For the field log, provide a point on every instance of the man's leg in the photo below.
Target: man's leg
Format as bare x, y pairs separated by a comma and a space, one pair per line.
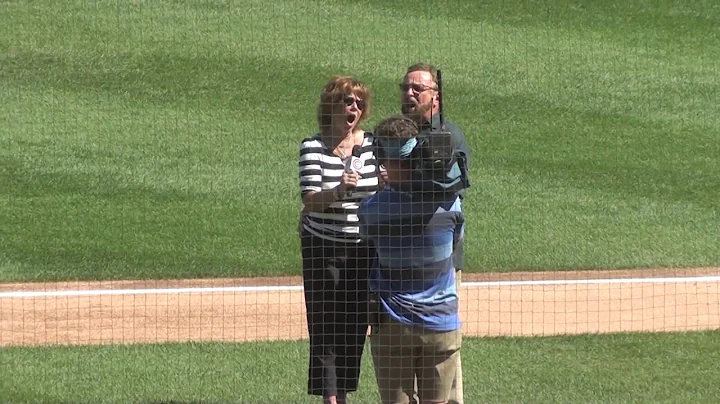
437, 367
456, 392
392, 358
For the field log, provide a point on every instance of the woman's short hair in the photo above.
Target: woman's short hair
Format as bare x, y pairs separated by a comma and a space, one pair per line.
335, 91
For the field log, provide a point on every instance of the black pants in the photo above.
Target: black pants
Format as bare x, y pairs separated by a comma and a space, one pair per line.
335, 279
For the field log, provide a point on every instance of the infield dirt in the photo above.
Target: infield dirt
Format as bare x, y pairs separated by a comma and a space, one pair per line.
487, 310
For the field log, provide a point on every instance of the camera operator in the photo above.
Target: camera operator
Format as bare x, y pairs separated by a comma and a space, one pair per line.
414, 223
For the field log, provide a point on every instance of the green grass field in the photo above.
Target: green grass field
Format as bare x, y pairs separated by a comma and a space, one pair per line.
159, 139
619, 368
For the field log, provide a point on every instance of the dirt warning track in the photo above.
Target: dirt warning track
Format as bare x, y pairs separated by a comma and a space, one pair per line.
264, 309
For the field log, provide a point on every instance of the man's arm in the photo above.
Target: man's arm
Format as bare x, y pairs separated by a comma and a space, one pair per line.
460, 144
459, 233
458, 253
459, 141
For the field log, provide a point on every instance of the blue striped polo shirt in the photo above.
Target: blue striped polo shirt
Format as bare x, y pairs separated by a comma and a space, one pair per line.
414, 234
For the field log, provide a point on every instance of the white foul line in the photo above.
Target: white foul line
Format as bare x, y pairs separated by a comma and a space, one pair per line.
700, 279
107, 292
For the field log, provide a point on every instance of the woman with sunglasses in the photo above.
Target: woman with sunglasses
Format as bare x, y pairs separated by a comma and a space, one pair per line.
338, 169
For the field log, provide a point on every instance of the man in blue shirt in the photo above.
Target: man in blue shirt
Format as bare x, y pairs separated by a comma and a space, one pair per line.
414, 227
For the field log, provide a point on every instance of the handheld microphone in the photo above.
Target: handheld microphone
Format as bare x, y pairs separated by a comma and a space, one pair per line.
354, 164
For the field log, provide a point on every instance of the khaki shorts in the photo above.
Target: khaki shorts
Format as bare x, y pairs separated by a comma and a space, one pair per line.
403, 353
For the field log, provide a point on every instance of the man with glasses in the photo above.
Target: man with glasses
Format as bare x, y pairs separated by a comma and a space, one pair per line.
420, 101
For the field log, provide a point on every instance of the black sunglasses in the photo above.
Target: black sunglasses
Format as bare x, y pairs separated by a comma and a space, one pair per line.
349, 101
417, 88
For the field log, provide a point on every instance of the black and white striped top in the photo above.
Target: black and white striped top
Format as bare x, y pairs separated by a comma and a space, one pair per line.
321, 169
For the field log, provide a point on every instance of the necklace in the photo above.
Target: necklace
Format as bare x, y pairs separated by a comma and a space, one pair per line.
339, 149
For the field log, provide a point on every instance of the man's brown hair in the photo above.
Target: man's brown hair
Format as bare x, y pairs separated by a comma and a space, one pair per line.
423, 67
333, 93
396, 126
393, 132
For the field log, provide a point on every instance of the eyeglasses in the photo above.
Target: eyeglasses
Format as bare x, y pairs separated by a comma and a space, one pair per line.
417, 88
350, 100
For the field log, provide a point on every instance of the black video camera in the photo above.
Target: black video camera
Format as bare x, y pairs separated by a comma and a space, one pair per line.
435, 157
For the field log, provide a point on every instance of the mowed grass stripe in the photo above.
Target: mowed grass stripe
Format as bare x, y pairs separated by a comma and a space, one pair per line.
525, 59
609, 368
159, 139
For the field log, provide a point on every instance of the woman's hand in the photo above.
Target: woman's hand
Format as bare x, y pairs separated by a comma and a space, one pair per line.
348, 181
